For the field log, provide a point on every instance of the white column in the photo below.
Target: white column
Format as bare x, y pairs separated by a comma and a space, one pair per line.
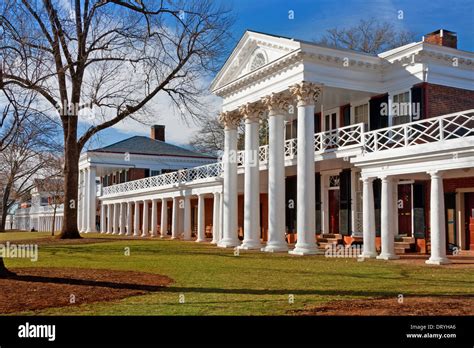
85, 200
154, 217
164, 217
354, 207
215, 218
306, 93
386, 221
109, 218
123, 218
221, 218
91, 200
251, 178
103, 228
368, 216
276, 174
145, 225
116, 218
395, 207
174, 219
230, 230
201, 234
437, 221
129, 218
136, 220
187, 218
324, 203
80, 201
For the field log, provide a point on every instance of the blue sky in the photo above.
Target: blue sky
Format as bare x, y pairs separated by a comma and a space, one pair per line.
313, 17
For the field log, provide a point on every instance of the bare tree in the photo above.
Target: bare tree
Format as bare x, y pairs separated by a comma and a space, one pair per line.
24, 158
113, 55
368, 36
53, 185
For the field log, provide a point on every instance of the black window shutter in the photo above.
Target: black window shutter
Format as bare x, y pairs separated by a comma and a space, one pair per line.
345, 202
417, 100
317, 122
346, 115
375, 106
317, 180
419, 226
377, 185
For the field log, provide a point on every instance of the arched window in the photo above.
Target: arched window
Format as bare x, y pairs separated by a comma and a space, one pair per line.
258, 61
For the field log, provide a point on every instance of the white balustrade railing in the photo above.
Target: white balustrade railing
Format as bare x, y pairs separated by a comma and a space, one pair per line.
435, 129
452, 126
179, 177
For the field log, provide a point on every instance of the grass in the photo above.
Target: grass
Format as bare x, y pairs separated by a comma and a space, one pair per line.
215, 282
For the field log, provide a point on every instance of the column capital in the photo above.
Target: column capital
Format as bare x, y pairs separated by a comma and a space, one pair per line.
277, 104
307, 93
435, 173
251, 112
368, 179
230, 119
386, 178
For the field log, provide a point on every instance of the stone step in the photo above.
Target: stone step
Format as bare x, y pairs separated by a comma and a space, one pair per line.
410, 240
331, 235
399, 250
404, 245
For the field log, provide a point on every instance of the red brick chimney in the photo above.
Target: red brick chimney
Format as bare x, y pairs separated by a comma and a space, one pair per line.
158, 132
442, 37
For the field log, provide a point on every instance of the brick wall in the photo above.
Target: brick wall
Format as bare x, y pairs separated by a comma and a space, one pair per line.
135, 174
443, 100
450, 185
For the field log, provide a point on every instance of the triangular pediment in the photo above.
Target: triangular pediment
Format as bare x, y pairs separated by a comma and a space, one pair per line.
253, 51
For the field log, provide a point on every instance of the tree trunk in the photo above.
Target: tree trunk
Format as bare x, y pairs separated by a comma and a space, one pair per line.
69, 229
4, 210
54, 221
4, 272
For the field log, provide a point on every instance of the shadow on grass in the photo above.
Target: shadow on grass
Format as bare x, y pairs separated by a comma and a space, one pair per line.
237, 291
86, 282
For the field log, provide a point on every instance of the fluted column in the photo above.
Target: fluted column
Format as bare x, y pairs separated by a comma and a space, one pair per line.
251, 115
216, 218
154, 217
136, 220
368, 217
103, 228
123, 220
276, 173
129, 218
145, 223
164, 218
116, 218
307, 95
174, 219
437, 221
386, 221
230, 120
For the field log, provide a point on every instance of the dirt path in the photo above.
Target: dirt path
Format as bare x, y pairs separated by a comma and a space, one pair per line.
425, 305
39, 288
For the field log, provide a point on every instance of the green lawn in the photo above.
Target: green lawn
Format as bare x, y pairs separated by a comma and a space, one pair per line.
215, 282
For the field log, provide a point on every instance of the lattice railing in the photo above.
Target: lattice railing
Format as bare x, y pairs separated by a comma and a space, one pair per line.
337, 139
181, 176
291, 148
453, 126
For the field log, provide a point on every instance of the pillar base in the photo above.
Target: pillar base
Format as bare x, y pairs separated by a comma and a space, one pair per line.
438, 261
174, 238
200, 240
275, 248
228, 243
136, 235
163, 236
306, 250
388, 257
251, 245
369, 255
214, 242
